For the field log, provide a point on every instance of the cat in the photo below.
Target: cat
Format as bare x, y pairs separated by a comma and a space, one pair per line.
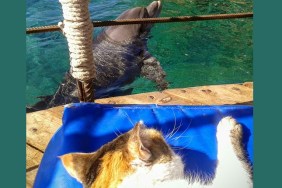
142, 158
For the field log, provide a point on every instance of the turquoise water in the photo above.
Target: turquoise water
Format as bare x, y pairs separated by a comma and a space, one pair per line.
191, 53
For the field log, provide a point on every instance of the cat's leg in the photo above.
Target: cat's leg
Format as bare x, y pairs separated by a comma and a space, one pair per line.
233, 169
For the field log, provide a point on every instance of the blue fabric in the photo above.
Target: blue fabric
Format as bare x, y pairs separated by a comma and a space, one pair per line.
86, 127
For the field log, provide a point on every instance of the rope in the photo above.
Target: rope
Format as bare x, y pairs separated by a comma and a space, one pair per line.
51, 28
78, 29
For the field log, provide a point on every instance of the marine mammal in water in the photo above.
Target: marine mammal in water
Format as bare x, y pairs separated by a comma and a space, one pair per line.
120, 55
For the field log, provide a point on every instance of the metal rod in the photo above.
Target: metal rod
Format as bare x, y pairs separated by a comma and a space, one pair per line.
51, 28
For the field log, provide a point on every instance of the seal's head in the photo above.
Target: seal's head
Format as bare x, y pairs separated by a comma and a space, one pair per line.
128, 32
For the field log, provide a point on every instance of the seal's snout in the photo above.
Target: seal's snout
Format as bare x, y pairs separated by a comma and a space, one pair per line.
154, 9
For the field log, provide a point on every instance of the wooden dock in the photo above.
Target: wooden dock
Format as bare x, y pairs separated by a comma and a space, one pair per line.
41, 125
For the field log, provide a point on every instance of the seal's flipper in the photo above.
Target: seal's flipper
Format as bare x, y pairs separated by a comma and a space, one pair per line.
152, 70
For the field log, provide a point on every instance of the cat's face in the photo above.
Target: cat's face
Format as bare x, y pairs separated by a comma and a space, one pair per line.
138, 156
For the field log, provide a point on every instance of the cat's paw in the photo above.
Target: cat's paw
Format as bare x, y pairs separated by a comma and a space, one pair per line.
230, 144
229, 129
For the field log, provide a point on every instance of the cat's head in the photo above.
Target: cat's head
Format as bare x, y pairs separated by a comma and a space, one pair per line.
139, 156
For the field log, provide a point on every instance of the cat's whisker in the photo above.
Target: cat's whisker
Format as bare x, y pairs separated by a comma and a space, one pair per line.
176, 148
129, 119
179, 137
184, 130
186, 146
168, 135
173, 132
176, 130
118, 132
174, 120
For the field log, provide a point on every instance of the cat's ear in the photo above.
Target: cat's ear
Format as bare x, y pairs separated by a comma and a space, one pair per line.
77, 164
138, 140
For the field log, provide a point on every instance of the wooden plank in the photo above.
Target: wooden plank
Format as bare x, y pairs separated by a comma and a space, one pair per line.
144, 98
202, 95
33, 157
41, 125
30, 177
214, 95
249, 84
57, 111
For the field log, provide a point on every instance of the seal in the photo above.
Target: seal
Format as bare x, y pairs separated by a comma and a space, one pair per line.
120, 56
